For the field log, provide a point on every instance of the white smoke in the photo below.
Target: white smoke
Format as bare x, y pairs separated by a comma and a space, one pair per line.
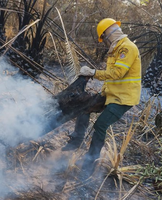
24, 110
23, 105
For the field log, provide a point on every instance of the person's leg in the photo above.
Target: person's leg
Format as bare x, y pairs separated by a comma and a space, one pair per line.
111, 114
77, 136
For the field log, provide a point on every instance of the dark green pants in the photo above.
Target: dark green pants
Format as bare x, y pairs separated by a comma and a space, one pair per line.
111, 114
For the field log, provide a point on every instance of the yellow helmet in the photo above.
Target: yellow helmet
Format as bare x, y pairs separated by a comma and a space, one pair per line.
104, 24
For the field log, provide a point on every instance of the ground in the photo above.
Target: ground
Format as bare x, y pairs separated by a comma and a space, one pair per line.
37, 168
53, 173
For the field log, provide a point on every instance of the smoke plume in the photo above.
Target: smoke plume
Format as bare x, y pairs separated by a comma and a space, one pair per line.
23, 105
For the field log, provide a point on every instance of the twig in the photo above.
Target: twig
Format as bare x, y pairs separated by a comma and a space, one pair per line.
130, 192
39, 150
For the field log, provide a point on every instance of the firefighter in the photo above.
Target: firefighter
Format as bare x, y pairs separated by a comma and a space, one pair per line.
122, 82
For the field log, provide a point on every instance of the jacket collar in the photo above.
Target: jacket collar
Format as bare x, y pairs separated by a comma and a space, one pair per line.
118, 44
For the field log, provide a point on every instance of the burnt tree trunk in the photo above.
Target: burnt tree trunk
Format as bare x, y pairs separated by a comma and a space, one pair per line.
75, 101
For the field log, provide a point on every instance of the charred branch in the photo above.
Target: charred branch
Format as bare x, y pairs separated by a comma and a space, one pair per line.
75, 101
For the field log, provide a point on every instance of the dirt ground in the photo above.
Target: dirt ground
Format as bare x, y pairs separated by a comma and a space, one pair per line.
39, 170
46, 172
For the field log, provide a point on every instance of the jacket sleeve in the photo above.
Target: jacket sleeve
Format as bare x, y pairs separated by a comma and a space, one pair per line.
123, 61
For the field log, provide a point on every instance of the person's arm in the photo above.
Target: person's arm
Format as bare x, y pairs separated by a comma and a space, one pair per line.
124, 61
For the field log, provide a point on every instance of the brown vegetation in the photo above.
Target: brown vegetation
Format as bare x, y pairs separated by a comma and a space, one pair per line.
42, 169
140, 22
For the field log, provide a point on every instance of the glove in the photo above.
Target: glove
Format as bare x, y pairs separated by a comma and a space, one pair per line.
86, 71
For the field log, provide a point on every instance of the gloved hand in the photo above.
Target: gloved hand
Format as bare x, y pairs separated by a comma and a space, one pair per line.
86, 71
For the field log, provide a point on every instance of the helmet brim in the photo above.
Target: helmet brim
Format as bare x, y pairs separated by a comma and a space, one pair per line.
118, 23
100, 40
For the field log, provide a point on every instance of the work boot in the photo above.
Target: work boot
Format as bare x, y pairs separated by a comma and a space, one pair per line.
93, 154
76, 138
73, 143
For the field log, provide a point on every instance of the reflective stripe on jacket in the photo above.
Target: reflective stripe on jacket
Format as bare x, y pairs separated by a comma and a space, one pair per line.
122, 75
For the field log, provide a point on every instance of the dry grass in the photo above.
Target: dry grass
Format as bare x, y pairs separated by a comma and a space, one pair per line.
115, 158
134, 174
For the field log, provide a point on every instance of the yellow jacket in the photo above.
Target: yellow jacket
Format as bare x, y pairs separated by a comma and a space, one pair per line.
122, 75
